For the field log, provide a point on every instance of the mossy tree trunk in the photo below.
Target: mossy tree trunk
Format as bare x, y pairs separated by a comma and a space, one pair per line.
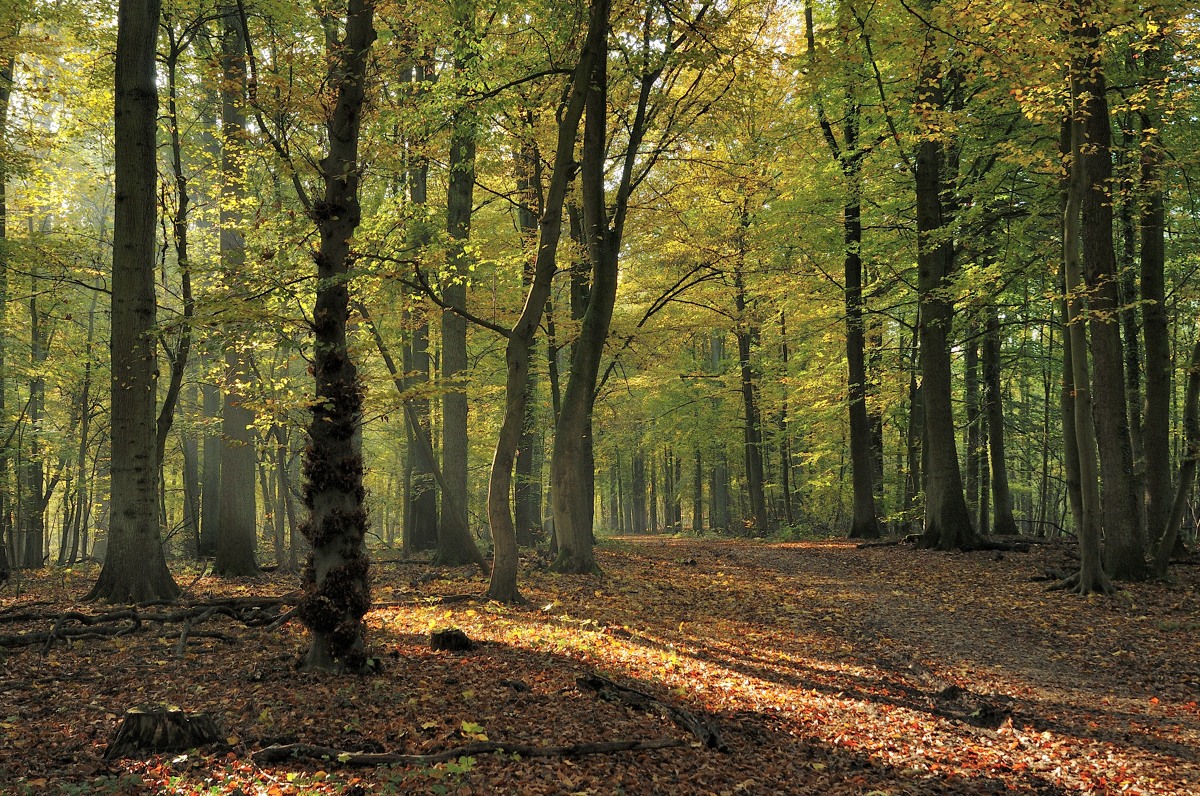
336, 590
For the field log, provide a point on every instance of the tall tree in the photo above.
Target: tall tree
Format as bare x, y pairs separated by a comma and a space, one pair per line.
1091, 576
458, 548
1124, 545
135, 568
336, 590
848, 154
520, 339
1156, 419
948, 522
238, 517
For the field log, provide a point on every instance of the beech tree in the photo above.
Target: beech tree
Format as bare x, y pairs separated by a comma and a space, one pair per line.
135, 569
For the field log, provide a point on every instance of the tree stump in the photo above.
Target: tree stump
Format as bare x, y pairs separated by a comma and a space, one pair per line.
161, 728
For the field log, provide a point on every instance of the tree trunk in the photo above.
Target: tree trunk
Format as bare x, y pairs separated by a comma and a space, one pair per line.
210, 478
1187, 468
569, 479
135, 569
6, 78
1091, 576
503, 586
457, 548
33, 473
1004, 523
948, 523
527, 490
336, 591
1124, 546
747, 338
421, 497
235, 554
1156, 420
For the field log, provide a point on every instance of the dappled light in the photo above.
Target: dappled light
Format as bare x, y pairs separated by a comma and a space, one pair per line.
826, 668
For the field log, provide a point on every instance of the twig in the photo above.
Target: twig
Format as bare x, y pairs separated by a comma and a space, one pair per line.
331, 756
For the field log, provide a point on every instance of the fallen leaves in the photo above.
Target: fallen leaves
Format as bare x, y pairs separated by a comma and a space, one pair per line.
828, 669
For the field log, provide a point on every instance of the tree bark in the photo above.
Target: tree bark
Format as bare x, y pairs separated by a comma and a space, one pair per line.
6, 80
336, 591
238, 515
1187, 468
1091, 576
1004, 523
1156, 420
948, 524
518, 351
135, 568
569, 479
457, 548
1124, 545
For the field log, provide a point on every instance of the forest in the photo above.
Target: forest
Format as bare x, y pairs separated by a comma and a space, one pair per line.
708, 396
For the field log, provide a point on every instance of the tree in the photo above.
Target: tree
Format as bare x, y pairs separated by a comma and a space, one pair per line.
336, 592
135, 568
238, 517
849, 154
457, 548
1091, 576
1124, 548
519, 345
948, 522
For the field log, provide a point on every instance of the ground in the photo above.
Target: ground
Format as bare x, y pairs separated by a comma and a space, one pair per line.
829, 669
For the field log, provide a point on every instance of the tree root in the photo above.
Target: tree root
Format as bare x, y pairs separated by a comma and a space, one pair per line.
702, 728
337, 757
1076, 585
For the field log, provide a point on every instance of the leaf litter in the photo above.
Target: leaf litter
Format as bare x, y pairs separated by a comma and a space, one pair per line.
828, 669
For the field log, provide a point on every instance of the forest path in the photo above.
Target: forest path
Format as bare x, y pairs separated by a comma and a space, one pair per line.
829, 670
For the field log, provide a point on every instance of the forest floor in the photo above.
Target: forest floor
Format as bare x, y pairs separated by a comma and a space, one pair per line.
828, 669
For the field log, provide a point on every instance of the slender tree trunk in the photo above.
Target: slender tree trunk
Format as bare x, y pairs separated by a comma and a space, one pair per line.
527, 490
210, 478
1187, 468
1156, 422
135, 568
747, 338
6, 82
503, 586
237, 543
864, 523
1091, 576
421, 501
569, 476
1001, 494
33, 473
457, 548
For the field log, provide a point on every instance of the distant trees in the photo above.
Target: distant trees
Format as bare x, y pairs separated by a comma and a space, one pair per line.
749, 277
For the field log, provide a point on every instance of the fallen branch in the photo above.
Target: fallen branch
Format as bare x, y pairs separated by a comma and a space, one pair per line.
250, 611
882, 543
705, 731
330, 756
